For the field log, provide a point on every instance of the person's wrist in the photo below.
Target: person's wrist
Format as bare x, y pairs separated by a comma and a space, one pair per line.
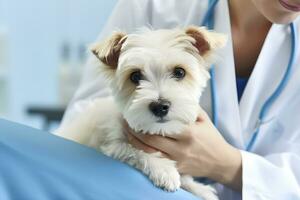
228, 169
233, 174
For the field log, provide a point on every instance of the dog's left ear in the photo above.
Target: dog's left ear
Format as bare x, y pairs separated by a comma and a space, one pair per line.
206, 41
108, 52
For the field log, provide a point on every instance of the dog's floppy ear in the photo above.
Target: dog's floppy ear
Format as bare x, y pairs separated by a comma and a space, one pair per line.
108, 52
206, 41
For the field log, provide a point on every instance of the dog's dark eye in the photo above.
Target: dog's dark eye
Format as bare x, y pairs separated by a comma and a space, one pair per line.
178, 73
136, 76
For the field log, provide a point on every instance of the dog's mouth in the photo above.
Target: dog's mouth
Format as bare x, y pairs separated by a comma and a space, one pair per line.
162, 120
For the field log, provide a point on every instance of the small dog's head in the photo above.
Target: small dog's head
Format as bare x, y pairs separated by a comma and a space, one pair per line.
157, 77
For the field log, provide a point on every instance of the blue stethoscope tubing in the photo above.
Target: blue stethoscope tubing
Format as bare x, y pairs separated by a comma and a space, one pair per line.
208, 21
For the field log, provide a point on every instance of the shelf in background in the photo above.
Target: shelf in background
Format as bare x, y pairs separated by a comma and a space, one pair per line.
50, 114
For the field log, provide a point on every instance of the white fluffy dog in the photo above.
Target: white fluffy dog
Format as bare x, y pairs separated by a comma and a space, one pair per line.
156, 79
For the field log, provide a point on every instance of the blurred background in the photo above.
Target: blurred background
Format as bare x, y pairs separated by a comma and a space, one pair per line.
42, 53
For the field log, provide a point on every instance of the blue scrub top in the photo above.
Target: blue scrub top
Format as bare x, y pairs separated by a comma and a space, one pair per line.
241, 85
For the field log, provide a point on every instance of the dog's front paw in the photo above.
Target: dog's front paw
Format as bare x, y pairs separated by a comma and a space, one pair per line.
166, 177
205, 192
208, 194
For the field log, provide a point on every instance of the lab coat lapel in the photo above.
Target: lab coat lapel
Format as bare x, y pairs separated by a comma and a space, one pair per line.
265, 78
227, 103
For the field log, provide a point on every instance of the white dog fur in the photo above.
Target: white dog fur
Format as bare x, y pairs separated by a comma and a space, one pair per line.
154, 54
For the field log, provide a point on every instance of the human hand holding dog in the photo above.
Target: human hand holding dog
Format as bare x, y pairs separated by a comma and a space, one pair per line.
199, 151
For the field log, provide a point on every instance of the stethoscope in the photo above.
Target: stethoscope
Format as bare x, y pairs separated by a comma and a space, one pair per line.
208, 21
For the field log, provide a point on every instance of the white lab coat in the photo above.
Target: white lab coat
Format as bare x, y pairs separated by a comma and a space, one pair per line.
272, 169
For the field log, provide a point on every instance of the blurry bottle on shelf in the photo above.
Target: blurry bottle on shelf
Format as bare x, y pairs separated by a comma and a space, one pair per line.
70, 72
65, 75
80, 62
3, 72
81, 55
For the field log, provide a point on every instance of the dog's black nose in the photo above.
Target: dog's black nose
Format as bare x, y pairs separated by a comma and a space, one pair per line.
160, 108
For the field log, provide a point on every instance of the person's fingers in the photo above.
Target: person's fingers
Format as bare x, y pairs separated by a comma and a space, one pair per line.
202, 116
163, 144
138, 144
179, 136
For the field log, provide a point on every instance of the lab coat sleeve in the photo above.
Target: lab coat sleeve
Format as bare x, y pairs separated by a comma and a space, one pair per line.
126, 16
273, 177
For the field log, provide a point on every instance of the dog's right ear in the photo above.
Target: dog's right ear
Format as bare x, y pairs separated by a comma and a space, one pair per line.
108, 52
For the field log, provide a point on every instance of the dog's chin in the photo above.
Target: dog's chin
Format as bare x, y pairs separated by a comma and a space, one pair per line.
159, 127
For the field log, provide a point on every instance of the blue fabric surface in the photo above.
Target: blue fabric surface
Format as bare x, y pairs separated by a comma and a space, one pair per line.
240, 85
36, 165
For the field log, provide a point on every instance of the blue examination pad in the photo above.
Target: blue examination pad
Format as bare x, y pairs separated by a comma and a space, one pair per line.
36, 165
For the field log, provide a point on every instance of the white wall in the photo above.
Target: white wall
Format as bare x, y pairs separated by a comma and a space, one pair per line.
36, 32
